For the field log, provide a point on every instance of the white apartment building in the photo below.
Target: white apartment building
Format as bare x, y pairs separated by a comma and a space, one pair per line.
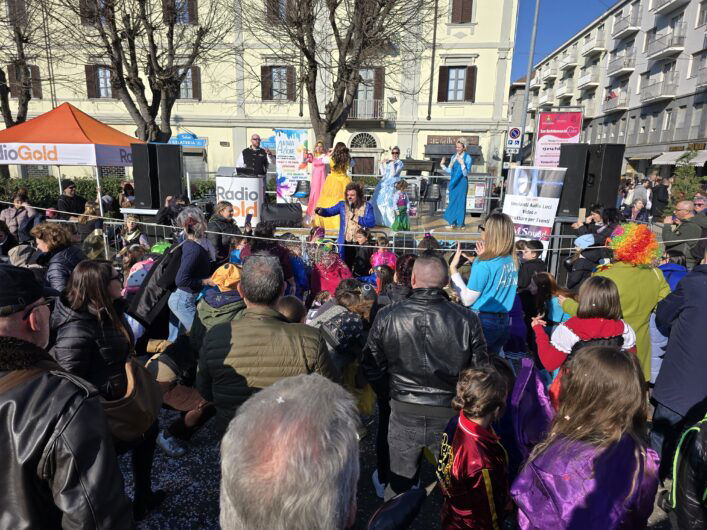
639, 73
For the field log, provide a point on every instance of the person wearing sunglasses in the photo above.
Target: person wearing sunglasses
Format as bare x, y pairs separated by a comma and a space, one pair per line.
70, 205
383, 199
59, 468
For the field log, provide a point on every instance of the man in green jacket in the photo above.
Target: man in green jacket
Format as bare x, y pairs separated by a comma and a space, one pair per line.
683, 226
240, 357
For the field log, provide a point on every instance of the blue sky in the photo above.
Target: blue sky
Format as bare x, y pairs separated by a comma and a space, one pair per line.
558, 21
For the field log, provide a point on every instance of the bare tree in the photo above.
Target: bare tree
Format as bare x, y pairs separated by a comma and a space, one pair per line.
150, 47
329, 42
22, 43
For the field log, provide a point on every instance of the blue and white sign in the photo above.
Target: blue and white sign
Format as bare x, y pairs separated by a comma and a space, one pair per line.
188, 140
513, 139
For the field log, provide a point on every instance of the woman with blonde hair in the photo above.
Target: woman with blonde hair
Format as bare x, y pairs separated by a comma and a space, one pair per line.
132, 235
334, 189
492, 284
320, 164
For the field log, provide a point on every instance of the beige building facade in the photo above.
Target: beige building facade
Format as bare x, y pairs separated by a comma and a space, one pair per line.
223, 104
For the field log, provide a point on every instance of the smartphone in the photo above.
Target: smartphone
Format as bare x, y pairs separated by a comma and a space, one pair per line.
248, 218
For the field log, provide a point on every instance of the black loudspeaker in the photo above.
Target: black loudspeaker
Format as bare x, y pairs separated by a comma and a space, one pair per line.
169, 171
287, 215
145, 176
601, 186
574, 157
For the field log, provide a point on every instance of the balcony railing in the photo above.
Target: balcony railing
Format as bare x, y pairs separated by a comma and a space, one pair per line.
697, 132
550, 72
569, 60
588, 77
618, 102
626, 25
546, 97
702, 77
624, 63
367, 109
590, 108
565, 87
665, 6
535, 81
664, 89
594, 44
666, 44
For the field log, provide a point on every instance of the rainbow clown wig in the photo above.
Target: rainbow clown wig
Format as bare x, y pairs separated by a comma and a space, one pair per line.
634, 243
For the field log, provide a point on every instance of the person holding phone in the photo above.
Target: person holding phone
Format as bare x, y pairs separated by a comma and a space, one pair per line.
220, 229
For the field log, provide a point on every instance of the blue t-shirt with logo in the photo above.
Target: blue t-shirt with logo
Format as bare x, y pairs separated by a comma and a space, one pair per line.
496, 279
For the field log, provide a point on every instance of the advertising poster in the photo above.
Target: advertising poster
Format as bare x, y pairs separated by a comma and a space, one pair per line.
291, 146
553, 130
244, 193
532, 198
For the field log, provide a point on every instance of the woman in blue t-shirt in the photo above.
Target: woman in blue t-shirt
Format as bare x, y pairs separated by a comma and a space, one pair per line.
494, 277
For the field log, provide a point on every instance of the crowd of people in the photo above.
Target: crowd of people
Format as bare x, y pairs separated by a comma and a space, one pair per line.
531, 395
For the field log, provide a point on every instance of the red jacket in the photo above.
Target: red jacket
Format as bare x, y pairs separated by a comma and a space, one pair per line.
473, 475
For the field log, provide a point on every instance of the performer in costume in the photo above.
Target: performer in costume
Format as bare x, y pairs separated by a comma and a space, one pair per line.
335, 185
383, 198
458, 169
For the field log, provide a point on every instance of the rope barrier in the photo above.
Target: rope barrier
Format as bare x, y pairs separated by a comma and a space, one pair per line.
280, 240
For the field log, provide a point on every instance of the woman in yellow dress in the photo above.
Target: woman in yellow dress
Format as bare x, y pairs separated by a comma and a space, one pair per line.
334, 187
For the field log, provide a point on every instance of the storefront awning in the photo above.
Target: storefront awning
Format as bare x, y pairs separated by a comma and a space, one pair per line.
700, 159
669, 158
642, 156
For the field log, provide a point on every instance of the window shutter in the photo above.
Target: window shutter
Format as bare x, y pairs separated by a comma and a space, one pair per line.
470, 84
88, 12
457, 11
291, 84
36, 82
291, 10
168, 11
196, 82
443, 83
266, 83
272, 7
12, 80
466, 6
193, 11
91, 80
379, 83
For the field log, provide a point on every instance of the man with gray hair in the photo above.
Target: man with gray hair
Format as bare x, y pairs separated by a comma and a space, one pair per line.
419, 346
683, 230
290, 458
240, 357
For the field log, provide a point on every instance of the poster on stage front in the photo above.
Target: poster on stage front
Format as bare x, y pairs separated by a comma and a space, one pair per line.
532, 198
553, 130
291, 146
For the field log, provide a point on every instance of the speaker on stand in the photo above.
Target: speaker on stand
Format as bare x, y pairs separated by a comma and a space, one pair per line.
145, 176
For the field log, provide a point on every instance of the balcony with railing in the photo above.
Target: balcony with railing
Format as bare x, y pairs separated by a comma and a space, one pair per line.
565, 88
660, 90
533, 102
549, 72
546, 98
702, 77
669, 43
595, 44
590, 108
626, 25
588, 77
621, 64
617, 103
370, 112
535, 81
666, 6
569, 61
697, 132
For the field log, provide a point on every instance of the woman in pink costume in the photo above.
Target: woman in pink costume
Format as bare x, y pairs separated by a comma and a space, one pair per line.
320, 168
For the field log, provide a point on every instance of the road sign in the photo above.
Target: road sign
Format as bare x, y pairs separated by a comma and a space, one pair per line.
512, 150
513, 139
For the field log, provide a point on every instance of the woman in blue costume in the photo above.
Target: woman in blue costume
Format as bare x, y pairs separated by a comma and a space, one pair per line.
383, 199
458, 169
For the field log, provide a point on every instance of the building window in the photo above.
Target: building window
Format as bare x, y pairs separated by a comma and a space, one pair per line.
455, 87
654, 122
363, 141
668, 119
634, 125
179, 11
461, 11
14, 75
104, 88
622, 127
643, 124
702, 14
186, 88
278, 83
681, 120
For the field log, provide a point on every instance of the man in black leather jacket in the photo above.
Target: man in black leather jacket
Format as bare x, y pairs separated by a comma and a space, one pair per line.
59, 465
420, 345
